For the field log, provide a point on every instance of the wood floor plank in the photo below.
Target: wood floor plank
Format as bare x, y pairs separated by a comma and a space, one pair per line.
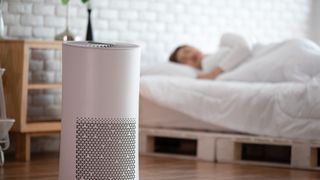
45, 166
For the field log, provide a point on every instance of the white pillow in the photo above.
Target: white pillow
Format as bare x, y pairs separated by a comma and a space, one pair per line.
170, 69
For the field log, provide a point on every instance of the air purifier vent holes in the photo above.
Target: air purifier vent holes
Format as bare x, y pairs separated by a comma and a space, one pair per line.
104, 120
100, 45
103, 45
105, 148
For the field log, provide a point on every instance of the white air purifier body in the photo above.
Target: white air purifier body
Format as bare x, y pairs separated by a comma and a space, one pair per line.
100, 101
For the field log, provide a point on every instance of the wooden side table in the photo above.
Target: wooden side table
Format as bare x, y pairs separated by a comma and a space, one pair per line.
14, 57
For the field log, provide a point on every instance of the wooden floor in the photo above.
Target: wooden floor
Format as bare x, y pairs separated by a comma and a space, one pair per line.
156, 168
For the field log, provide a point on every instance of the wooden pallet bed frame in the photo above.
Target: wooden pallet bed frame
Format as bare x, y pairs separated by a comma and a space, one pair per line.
230, 148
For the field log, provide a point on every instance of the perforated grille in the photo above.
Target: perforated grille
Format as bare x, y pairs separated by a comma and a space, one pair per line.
99, 45
105, 148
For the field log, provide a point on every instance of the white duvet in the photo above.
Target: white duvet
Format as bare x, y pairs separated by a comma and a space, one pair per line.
292, 60
276, 93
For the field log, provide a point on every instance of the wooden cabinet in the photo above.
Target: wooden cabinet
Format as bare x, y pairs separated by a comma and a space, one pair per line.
14, 57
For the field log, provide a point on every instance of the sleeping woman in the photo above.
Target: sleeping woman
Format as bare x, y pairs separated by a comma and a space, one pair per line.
233, 50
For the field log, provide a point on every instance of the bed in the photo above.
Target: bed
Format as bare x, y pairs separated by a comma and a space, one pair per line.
282, 103
286, 110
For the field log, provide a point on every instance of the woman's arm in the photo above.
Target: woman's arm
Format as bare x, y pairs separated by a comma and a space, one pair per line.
212, 74
238, 52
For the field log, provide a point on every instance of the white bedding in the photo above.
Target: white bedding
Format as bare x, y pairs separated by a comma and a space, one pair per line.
289, 109
153, 115
293, 60
276, 93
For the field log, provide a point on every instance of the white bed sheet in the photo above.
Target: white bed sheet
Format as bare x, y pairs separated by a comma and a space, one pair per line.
289, 110
153, 115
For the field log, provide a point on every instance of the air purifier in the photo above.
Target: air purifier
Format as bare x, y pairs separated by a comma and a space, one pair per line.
100, 101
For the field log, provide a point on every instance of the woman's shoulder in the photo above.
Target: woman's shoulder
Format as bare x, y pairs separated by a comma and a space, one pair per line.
232, 39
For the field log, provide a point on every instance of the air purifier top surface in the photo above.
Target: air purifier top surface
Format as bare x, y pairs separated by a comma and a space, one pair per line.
101, 45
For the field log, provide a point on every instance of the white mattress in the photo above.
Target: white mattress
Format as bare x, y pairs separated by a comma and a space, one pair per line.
287, 110
153, 115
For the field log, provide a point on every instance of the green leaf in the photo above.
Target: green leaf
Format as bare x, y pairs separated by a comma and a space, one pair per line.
65, 2
84, 1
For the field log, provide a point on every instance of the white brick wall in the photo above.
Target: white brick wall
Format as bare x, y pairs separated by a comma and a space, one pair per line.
41, 9
158, 25
198, 22
32, 20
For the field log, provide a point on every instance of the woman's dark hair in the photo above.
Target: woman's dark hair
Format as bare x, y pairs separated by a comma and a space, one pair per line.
173, 57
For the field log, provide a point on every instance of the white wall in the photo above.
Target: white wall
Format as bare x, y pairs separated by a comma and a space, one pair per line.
160, 25
157, 25
314, 21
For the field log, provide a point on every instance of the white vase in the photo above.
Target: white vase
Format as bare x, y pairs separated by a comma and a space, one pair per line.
66, 35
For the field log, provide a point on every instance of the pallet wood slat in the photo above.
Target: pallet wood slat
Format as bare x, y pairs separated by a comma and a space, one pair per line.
229, 148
